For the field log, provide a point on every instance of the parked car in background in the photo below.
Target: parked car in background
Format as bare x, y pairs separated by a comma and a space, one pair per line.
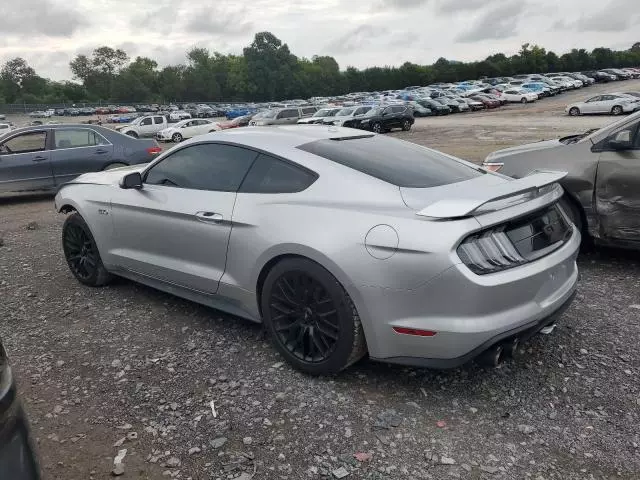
273, 229
46, 156
348, 117
419, 110
5, 128
603, 183
600, 77
453, 105
519, 95
619, 74
384, 119
486, 100
187, 129
144, 126
3, 116
539, 88
474, 105
436, 107
178, 115
284, 116
319, 117
17, 455
613, 104
237, 122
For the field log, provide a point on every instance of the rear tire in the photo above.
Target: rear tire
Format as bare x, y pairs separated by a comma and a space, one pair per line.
81, 253
406, 125
177, 138
523, 100
574, 111
312, 321
377, 127
132, 134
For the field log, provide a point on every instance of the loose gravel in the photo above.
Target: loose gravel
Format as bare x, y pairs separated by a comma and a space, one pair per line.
132, 382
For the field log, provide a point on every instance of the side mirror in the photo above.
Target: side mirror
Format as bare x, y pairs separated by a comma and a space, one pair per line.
621, 141
131, 180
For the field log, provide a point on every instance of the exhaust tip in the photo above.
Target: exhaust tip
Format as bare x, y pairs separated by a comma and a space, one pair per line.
492, 357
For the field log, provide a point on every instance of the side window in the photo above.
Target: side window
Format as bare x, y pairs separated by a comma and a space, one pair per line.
25, 143
146, 121
270, 175
158, 120
387, 111
309, 110
398, 109
207, 166
594, 99
74, 138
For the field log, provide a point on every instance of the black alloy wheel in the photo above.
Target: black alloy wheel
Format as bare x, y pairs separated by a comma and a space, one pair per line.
617, 110
311, 318
81, 252
305, 317
406, 125
377, 127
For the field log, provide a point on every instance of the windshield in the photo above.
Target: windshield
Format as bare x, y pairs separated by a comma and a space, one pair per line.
345, 112
269, 114
324, 112
374, 111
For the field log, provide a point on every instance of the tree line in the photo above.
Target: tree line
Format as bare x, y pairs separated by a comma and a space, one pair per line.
268, 71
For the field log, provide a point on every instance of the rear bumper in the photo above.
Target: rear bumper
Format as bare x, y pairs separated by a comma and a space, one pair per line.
523, 333
469, 313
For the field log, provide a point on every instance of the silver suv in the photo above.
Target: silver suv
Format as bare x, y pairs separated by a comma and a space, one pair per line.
283, 116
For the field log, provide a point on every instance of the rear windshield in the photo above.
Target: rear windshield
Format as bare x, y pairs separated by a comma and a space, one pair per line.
400, 163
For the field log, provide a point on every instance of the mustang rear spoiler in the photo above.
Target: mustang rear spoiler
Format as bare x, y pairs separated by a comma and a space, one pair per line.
467, 203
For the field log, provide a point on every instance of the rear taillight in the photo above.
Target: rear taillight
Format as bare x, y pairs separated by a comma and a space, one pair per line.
154, 150
492, 166
490, 251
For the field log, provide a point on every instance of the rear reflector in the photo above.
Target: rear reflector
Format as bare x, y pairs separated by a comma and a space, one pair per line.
154, 150
414, 331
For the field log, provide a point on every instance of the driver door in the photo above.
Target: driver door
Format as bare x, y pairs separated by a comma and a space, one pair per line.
176, 227
617, 190
25, 162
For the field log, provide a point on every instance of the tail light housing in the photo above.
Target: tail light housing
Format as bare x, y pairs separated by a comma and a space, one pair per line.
154, 150
516, 242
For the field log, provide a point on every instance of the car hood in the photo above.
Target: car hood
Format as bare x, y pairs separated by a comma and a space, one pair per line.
542, 145
107, 177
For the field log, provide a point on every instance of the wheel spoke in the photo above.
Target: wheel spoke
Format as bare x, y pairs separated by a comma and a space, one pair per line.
286, 311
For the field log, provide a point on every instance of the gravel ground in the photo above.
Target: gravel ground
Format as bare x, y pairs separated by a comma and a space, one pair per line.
128, 367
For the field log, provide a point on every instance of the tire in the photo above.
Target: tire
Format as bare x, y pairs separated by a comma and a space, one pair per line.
312, 321
617, 110
574, 111
81, 253
377, 127
406, 126
111, 166
523, 100
572, 211
176, 138
132, 134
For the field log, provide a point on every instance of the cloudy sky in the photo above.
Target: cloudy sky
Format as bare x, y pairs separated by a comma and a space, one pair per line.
48, 33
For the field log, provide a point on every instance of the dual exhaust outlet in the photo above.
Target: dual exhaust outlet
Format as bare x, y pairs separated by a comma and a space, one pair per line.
494, 356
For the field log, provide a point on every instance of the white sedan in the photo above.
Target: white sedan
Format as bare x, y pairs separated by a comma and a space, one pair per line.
186, 129
615, 104
521, 95
178, 115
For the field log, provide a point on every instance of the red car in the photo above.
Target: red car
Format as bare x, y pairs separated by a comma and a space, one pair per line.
486, 101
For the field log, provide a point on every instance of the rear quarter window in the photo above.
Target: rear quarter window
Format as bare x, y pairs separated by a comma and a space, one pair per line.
400, 163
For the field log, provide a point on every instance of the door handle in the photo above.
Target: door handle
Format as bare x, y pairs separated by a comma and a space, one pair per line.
101, 150
209, 217
39, 158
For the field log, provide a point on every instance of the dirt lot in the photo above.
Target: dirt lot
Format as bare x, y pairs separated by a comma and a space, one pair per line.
128, 364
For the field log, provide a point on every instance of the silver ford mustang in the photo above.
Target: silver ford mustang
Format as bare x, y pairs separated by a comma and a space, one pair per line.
341, 242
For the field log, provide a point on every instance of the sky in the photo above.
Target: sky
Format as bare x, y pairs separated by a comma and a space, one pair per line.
360, 33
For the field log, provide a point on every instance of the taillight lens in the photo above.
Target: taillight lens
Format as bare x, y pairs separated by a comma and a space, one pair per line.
490, 251
492, 166
154, 150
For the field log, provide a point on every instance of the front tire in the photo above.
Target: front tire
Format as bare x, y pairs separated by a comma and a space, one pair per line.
132, 134
312, 320
81, 253
176, 138
617, 110
574, 111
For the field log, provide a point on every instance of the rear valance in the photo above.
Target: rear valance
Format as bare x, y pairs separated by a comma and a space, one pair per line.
504, 195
